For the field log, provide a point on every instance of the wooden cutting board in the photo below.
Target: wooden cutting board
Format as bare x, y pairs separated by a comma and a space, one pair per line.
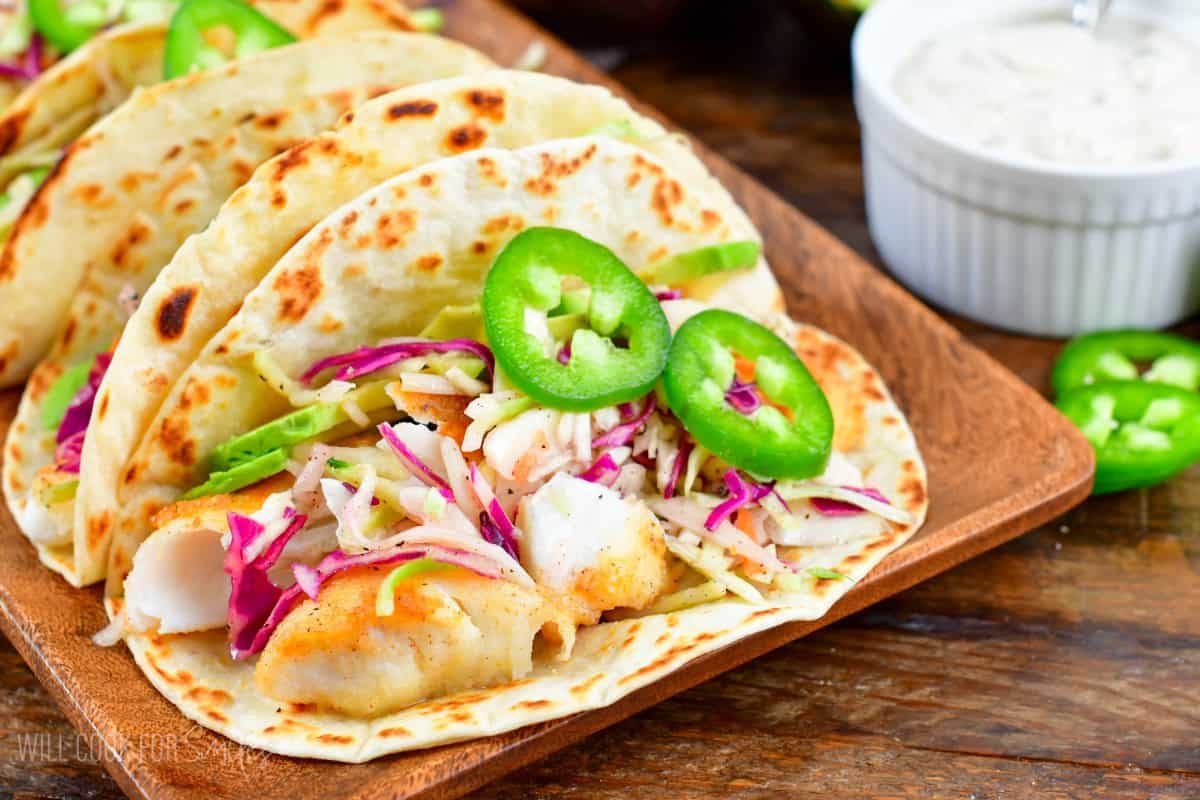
1000, 459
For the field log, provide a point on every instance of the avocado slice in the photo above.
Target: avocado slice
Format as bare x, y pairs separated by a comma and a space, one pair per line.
242, 475
456, 322
292, 429
62, 391
702, 262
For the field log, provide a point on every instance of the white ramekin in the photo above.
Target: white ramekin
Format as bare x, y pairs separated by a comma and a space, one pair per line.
1040, 248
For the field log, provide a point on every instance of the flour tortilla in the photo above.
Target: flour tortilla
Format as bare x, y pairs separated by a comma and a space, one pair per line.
54, 109
382, 139
610, 660
143, 179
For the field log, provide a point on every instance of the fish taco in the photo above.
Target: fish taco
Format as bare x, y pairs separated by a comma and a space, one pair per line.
215, 269
111, 215
484, 449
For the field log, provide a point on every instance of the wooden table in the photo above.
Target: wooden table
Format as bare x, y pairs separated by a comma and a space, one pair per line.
1063, 665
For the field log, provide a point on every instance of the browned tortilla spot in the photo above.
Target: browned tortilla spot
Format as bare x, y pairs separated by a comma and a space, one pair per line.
298, 290
14, 451
42, 378
137, 233
68, 334
279, 198
102, 410
466, 137
203, 694
427, 180
175, 150
394, 731
554, 170
530, 705
242, 170
173, 434
709, 219
330, 324
488, 169
393, 227
878, 544
331, 738
914, 491
765, 612
504, 222
658, 663
480, 247
286, 162
486, 103
92, 194
130, 181
173, 312
99, 526
429, 263
215, 715
11, 126
273, 120
413, 108
667, 194
586, 685
346, 224
195, 393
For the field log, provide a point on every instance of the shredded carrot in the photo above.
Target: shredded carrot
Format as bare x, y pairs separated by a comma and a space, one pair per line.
743, 368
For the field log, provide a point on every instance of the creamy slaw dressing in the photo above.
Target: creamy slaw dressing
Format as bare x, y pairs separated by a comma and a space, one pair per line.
1048, 90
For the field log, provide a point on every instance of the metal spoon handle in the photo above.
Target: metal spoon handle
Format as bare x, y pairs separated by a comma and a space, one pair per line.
1088, 13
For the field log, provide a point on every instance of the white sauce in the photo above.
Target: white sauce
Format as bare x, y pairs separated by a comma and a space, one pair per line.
1054, 92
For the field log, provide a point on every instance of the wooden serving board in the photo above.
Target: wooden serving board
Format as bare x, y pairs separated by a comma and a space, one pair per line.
1000, 459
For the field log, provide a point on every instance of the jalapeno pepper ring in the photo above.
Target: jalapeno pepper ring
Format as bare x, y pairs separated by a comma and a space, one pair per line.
615, 358
1112, 355
51, 21
188, 50
789, 434
1143, 433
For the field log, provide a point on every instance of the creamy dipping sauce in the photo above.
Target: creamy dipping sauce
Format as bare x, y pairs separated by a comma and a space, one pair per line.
1051, 91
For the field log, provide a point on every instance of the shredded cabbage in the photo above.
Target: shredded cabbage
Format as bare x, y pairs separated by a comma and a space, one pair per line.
710, 560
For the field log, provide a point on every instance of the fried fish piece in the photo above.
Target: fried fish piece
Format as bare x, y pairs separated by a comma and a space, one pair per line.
451, 630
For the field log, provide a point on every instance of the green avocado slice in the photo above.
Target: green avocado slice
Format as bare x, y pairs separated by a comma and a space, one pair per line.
242, 475
456, 322
62, 391
702, 262
299, 426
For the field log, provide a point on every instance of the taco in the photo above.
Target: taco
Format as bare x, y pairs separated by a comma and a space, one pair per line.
113, 213
59, 99
469, 457
219, 266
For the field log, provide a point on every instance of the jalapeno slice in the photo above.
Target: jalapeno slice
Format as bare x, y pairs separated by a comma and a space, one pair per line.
1114, 356
614, 358
51, 20
743, 394
1143, 433
187, 49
